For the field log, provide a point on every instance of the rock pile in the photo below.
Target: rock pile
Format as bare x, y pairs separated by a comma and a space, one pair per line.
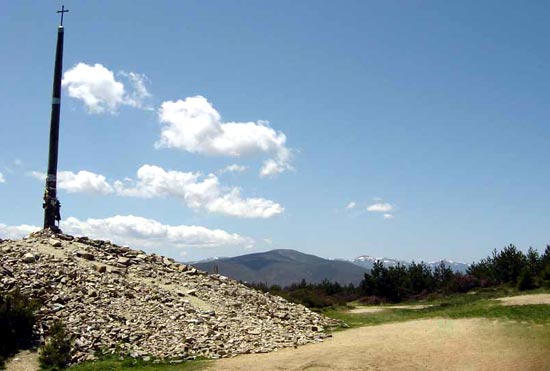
115, 300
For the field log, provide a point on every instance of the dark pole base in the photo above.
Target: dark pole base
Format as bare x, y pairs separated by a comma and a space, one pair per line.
52, 230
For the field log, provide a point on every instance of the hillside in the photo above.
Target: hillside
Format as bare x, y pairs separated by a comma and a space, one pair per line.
283, 267
116, 300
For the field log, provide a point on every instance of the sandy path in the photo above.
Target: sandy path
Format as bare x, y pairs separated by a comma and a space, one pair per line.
23, 361
433, 344
377, 309
367, 310
525, 299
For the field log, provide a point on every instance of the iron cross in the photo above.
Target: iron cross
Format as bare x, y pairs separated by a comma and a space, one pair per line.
62, 11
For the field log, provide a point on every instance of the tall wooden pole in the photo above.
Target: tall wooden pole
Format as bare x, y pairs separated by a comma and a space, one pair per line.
51, 204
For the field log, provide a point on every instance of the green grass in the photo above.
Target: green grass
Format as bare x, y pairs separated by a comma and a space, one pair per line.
114, 364
479, 304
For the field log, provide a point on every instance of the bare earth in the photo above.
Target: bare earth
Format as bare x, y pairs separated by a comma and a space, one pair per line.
526, 299
433, 344
376, 309
367, 310
23, 361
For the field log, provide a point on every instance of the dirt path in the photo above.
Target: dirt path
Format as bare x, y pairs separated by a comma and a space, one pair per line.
525, 299
434, 344
23, 361
377, 309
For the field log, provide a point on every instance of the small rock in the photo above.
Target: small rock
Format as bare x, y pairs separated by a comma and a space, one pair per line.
124, 261
54, 242
29, 258
85, 255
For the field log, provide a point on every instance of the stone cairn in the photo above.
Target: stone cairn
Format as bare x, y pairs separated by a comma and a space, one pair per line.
115, 300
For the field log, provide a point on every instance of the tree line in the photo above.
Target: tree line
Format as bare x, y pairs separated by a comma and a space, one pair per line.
394, 284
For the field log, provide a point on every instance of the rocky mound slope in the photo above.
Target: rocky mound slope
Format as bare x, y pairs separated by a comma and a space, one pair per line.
113, 299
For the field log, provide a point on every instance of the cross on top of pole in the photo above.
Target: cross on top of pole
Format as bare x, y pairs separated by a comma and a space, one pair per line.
62, 11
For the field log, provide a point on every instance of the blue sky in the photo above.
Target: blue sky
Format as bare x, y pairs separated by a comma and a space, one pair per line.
433, 115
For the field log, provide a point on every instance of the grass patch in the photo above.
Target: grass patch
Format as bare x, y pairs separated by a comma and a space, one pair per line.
115, 364
472, 305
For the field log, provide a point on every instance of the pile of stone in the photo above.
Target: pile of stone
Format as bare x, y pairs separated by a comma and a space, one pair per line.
115, 300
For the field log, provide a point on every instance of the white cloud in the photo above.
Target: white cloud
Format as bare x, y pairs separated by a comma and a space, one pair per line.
16, 232
95, 86
233, 204
38, 175
139, 94
140, 233
195, 126
351, 205
380, 207
197, 193
81, 182
100, 92
388, 216
2, 179
194, 189
234, 168
145, 233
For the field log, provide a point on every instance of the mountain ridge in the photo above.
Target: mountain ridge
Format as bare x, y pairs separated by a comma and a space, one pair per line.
286, 266
283, 267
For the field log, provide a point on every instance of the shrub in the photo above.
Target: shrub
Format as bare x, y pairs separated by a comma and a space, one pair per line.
16, 323
464, 283
508, 264
526, 280
55, 354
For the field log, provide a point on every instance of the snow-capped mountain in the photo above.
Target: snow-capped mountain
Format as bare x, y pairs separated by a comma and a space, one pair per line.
367, 262
454, 265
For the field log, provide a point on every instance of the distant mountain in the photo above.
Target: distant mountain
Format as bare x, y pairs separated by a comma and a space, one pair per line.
455, 266
367, 262
283, 267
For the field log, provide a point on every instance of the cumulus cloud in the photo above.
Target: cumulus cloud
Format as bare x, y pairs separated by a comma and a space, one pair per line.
2, 179
81, 182
388, 216
100, 92
150, 234
194, 189
196, 192
16, 232
380, 207
195, 126
351, 205
233, 204
139, 93
139, 232
234, 168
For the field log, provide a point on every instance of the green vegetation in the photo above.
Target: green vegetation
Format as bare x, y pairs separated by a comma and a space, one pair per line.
511, 266
314, 295
115, 364
479, 304
417, 281
56, 353
16, 323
